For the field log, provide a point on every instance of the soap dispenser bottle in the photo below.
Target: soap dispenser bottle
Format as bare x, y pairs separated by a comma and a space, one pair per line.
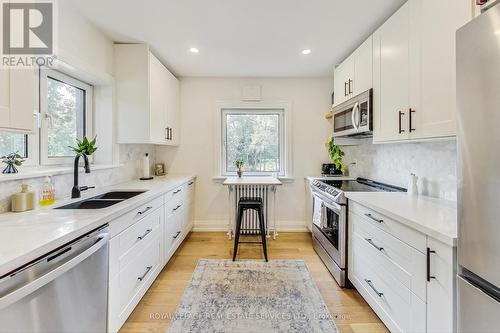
47, 193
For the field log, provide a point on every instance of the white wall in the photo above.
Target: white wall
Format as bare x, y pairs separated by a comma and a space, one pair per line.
433, 162
309, 100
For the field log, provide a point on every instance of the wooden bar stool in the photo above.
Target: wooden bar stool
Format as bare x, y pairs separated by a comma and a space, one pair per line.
243, 205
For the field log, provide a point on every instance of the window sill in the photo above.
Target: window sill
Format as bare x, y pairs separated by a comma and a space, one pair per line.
221, 179
43, 171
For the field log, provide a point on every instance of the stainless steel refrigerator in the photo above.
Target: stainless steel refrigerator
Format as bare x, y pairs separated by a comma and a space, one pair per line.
478, 95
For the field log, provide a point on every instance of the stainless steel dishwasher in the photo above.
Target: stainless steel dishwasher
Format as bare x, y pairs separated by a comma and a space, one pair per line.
63, 291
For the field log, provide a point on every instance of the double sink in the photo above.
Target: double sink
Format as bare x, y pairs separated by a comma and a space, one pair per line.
102, 201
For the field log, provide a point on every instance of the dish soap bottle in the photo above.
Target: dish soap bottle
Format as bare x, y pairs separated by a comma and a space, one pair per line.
23, 200
48, 192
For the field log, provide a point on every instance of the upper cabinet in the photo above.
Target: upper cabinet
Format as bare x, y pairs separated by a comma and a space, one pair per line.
147, 96
414, 71
18, 99
354, 75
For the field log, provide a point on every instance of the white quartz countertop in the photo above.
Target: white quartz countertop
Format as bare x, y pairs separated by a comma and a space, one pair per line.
434, 217
29, 235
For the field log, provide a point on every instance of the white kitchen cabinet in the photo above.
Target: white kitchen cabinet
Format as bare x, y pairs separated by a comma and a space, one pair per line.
18, 99
414, 71
354, 75
441, 283
147, 96
142, 242
406, 276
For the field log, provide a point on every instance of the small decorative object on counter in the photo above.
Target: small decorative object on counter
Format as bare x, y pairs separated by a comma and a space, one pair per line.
24, 200
336, 155
12, 160
160, 169
146, 172
239, 165
47, 193
412, 184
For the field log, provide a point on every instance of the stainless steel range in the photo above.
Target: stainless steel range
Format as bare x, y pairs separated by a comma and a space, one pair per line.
329, 230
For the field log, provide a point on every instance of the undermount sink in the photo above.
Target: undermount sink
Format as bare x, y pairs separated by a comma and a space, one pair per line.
102, 201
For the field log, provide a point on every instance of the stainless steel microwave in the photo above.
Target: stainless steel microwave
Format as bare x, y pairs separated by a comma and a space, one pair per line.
355, 116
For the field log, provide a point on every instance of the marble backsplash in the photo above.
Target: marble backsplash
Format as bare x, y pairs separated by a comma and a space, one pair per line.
433, 162
130, 159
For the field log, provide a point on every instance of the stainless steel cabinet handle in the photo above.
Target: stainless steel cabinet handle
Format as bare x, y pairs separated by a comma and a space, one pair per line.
370, 216
145, 210
401, 114
345, 89
350, 91
429, 276
369, 240
177, 235
140, 278
145, 234
178, 191
178, 206
369, 282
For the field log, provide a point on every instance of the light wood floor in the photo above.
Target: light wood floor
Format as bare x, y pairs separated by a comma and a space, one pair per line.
154, 310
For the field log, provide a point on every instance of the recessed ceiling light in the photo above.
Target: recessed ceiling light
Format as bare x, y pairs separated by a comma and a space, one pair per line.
306, 51
194, 50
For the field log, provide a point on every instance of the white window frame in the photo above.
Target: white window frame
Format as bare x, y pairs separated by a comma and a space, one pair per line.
45, 119
282, 109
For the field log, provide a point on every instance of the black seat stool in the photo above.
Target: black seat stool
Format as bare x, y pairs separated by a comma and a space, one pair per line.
243, 205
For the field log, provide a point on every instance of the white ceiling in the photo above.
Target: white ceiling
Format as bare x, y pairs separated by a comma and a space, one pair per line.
246, 38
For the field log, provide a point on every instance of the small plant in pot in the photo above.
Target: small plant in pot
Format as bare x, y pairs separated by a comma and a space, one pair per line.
336, 156
12, 160
239, 165
85, 146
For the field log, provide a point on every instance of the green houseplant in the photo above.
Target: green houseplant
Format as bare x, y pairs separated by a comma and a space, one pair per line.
85, 146
336, 155
239, 165
12, 160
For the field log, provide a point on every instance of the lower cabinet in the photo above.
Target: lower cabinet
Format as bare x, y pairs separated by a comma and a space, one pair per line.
142, 242
405, 276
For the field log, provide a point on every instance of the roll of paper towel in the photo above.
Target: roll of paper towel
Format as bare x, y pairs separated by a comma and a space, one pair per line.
145, 167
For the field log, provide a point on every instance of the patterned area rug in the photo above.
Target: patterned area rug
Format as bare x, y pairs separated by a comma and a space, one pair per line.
252, 296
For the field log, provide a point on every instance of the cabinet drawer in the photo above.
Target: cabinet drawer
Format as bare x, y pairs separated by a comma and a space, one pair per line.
178, 192
400, 309
128, 287
404, 263
395, 228
127, 219
124, 247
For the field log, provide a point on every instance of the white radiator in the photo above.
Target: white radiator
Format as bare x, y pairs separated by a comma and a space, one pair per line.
251, 217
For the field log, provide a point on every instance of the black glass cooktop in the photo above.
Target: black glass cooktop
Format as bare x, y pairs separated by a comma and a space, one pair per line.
362, 185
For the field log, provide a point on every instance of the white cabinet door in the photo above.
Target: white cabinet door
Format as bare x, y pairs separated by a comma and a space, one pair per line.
173, 109
440, 287
433, 99
18, 99
363, 67
4, 98
343, 81
158, 99
391, 77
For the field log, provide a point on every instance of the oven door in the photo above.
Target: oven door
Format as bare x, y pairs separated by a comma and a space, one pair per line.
353, 117
331, 233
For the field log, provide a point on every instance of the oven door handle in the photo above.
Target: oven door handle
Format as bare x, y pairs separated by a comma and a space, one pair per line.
354, 116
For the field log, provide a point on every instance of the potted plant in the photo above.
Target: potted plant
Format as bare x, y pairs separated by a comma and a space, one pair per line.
239, 165
336, 155
85, 146
12, 160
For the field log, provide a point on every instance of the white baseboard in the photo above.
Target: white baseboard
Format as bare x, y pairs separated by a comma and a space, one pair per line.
218, 226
